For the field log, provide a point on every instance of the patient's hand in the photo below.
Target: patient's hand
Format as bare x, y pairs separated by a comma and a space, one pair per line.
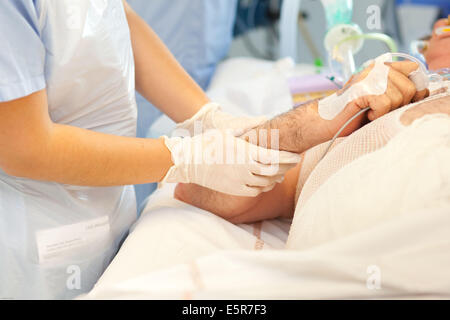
303, 128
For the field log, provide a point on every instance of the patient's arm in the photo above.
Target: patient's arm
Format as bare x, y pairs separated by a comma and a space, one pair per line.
303, 128
280, 202
438, 52
437, 106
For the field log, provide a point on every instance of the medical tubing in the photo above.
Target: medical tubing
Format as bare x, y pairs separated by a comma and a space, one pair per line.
411, 58
342, 129
371, 36
396, 54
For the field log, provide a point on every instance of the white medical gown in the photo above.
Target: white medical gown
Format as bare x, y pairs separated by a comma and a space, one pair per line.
56, 240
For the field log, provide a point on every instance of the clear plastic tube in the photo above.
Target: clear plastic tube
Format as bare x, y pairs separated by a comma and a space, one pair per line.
434, 77
411, 58
369, 36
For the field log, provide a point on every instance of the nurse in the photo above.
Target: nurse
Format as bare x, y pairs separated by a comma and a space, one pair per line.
198, 33
68, 152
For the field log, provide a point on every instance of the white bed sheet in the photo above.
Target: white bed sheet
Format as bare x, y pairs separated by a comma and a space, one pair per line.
171, 232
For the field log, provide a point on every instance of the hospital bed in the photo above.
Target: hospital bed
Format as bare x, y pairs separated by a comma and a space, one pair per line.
341, 248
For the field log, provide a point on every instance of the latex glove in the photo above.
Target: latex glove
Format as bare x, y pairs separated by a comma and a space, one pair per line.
221, 162
212, 117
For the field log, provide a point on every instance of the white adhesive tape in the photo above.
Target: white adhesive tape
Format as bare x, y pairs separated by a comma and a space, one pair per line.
419, 77
375, 83
420, 80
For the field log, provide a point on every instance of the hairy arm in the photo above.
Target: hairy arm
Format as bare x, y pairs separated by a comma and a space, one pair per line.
159, 77
303, 128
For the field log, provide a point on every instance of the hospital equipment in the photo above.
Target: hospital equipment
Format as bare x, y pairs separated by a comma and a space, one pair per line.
443, 75
417, 49
343, 40
440, 31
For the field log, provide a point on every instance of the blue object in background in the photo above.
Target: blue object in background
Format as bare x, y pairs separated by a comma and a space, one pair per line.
443, 4
20, 75
198, 33
256, 13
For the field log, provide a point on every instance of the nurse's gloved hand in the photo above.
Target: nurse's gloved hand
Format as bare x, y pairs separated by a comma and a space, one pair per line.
212, 117
221, 162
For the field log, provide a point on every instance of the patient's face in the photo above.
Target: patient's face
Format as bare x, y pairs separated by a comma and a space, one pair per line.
438, 52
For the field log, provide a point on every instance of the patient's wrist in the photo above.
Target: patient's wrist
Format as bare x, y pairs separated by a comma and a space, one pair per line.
295, 131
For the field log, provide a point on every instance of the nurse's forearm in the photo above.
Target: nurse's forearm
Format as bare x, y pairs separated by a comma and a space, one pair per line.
159, 77
75, 156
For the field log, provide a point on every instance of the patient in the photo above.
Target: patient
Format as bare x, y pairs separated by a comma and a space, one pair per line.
281, 202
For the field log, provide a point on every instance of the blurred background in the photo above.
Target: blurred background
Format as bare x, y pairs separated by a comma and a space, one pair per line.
203, 33
257, 26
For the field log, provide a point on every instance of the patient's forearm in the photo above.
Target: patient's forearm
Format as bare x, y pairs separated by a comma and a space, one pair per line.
302, 128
